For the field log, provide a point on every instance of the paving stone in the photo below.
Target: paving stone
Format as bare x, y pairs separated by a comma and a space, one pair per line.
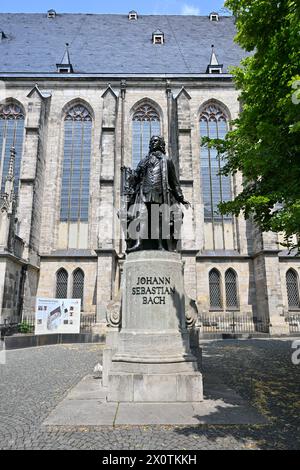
35, 381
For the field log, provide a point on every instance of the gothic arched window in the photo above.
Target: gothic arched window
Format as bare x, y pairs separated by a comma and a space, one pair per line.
215, 289
145, 124
292, 286
231, 289
62, 284
75, 187
216, 188
78, 285
11, 135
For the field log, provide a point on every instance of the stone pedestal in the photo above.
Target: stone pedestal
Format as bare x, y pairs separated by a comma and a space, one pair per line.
152, 361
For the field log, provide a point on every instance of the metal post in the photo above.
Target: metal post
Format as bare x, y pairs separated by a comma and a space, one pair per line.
233, 323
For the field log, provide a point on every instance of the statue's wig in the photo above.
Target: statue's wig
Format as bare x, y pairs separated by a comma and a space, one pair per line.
162, 144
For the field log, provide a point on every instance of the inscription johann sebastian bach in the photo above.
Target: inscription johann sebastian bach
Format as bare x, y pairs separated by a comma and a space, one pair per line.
153, 290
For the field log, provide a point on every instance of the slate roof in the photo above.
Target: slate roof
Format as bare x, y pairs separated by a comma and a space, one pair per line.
112, 44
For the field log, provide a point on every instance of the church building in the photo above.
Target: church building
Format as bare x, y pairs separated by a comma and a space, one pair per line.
80, 97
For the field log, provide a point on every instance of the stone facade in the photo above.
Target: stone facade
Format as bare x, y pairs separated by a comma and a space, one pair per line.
96, 246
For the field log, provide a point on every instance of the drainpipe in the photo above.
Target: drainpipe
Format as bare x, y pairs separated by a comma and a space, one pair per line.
169, 107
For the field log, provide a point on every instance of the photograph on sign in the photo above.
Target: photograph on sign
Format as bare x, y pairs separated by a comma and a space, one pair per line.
57, 316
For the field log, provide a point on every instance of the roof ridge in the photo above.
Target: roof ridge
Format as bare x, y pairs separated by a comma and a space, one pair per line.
111, 14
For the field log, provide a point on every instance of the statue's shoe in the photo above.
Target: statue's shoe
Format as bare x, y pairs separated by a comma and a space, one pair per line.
136, 247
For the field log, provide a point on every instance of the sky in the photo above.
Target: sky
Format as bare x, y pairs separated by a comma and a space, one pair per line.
146, 7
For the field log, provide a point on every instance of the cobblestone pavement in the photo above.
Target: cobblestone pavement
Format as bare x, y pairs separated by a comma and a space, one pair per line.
34, 381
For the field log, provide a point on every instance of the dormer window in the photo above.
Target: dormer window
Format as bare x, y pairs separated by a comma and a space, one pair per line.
158, 37
214, 16
64, 69
132, 15
214, 67
51, 14
65, 65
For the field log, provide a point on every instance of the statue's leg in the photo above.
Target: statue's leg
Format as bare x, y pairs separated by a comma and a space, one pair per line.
176, 225
160, 237
141, 223
154, 224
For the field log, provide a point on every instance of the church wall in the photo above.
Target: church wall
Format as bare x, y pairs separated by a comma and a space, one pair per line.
243, 269
47, 280
47, 234
30, 291
10, 273
275, 294
105, 212
53, 235
284, 265
2, 284
39, 180
228, 97
190, 275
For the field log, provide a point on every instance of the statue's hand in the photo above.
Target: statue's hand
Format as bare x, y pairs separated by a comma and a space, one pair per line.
127, 169
186, 204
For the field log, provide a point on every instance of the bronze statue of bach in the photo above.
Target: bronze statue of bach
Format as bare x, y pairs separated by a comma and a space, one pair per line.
151, 211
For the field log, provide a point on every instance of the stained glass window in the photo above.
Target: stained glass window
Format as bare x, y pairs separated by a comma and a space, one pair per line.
292, 289
62, 284
146, 123
78, 285
11, 135
215, 289
216, 188
231, 289
76, 165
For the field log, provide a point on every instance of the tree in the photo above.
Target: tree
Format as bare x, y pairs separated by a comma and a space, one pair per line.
265, 141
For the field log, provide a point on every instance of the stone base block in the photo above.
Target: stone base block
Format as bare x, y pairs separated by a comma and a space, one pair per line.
162, 368
154, 388
152, 360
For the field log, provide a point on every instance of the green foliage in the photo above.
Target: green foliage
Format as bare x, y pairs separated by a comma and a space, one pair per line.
265, 141
25, 328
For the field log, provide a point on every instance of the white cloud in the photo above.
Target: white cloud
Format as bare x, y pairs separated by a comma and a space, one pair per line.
190, 10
